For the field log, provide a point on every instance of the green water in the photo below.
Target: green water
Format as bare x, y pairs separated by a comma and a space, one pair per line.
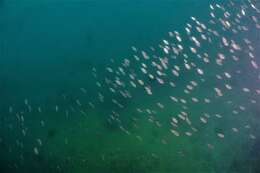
48, 50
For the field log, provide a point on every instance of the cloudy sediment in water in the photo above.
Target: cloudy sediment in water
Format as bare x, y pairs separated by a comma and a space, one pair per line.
187, 102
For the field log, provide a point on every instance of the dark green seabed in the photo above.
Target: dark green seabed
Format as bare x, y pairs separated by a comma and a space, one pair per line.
95, 86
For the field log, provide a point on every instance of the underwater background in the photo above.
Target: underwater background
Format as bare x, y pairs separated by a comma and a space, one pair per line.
63, 109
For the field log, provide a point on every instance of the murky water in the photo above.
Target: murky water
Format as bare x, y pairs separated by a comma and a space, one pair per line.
140, 86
